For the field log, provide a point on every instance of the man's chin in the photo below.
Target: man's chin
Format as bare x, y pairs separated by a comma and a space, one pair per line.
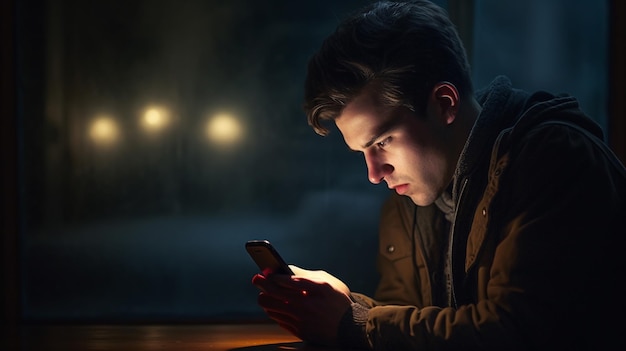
421, 199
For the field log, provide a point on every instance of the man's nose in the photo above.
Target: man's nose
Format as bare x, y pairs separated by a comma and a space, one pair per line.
377, 170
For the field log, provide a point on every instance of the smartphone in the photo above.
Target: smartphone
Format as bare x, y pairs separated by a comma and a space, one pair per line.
266, 257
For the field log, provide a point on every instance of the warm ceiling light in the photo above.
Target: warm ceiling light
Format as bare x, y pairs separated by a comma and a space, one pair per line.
104, 130
224, 129
154, 118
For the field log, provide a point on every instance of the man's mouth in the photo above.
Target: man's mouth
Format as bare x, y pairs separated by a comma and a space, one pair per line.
401, 189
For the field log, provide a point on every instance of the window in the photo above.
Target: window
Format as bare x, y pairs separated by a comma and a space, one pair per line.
554, 45
160, 136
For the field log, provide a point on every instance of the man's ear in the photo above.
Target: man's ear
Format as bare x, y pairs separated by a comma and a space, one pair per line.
444, 100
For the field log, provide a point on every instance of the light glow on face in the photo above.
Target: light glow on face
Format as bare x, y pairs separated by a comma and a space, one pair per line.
104, 130
224, 129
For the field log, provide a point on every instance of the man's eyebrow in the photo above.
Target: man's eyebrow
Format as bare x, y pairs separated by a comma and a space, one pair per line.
382, 129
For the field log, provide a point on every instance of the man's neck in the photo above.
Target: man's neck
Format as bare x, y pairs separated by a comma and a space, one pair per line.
468, 113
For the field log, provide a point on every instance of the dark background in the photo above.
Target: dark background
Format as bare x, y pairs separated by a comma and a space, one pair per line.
153, 226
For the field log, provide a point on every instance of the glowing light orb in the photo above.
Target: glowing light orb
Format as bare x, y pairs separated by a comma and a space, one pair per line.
224, 129
154, 118
104, 130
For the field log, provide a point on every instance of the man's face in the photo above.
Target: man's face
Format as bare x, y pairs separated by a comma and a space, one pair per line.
405, 150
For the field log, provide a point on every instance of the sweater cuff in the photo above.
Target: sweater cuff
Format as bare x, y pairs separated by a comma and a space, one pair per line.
351, 333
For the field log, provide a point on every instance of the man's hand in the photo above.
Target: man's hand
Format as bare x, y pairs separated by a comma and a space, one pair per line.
321, 277
309, 304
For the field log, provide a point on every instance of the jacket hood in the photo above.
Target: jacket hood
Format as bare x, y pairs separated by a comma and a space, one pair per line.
515, 112
526, 111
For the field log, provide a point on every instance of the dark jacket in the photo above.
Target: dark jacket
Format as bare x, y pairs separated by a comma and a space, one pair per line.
536, 251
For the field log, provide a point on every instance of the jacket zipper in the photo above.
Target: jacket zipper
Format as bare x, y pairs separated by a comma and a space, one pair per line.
451, 295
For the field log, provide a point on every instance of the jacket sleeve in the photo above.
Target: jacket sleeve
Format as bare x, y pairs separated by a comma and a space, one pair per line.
553, 274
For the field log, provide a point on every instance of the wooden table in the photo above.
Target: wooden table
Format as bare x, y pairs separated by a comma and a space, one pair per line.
183, 337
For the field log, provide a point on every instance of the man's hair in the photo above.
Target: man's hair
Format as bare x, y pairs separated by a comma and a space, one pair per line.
401, 49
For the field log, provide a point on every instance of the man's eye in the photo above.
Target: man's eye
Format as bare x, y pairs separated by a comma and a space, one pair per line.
381, 144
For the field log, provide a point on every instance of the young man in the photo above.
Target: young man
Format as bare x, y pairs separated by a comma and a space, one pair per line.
506, 227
